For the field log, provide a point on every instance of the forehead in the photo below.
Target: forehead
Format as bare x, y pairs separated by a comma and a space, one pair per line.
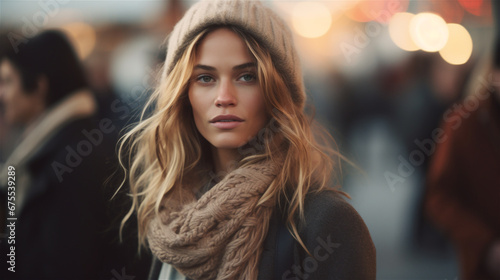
222, 46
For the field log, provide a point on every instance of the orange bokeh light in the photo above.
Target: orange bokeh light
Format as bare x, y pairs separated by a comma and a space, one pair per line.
458, 48
376, 10
311, 19
429, 31
399, 31
83, 37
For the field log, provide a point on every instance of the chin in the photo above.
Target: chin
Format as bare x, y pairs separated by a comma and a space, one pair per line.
228, 146
228, 143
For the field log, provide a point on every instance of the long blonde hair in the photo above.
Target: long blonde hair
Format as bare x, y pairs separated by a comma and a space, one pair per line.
166, 151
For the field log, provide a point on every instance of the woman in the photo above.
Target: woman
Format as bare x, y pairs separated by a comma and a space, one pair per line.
226, 169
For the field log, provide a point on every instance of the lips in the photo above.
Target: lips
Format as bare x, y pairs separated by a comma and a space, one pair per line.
226, 118
226, 121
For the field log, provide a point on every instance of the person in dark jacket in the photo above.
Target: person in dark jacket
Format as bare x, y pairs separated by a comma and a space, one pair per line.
228, 177
58, 216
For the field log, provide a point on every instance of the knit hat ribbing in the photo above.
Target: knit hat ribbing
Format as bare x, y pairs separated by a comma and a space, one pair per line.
250, 16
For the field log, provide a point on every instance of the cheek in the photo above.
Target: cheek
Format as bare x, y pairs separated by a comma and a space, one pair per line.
12, 98
18, 107
258, 108
15, 93
199, 107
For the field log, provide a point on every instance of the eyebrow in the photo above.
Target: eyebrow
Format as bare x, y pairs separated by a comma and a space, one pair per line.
237, 67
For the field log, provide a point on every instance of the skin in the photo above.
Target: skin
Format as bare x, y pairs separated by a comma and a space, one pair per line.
20, 107
224, 81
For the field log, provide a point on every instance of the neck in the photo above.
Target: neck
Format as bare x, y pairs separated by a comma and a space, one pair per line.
224, 159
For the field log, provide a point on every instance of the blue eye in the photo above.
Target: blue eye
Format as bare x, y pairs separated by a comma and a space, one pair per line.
248, 78
204, 79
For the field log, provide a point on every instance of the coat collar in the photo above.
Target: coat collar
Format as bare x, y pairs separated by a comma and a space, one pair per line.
77, 105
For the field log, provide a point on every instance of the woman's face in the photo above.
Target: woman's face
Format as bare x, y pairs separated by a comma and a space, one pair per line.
227, 101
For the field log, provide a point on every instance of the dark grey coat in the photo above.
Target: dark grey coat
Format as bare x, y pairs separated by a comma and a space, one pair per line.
334, 234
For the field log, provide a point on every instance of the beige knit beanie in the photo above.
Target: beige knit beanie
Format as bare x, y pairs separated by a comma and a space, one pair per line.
252, 17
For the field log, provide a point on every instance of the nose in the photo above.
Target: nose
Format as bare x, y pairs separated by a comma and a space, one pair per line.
226, 94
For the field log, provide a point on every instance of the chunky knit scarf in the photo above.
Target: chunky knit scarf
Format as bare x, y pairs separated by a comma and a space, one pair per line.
219, 236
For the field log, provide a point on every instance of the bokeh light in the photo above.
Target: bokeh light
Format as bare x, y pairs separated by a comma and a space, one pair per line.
376, 10
311, 19
429, 31
458, 49
472, 6
82, 36
365, 10
399, 30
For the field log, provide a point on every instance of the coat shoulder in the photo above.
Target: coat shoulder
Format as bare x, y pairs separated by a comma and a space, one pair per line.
337, 238
325, 208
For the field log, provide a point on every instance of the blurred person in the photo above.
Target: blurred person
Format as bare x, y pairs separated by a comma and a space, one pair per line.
8, 133
463, 182
228, 177
61, 162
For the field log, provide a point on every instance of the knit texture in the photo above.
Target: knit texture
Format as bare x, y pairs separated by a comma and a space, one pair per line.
221, 235
253, 18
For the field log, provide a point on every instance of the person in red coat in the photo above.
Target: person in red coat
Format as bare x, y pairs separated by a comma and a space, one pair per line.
463, 195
